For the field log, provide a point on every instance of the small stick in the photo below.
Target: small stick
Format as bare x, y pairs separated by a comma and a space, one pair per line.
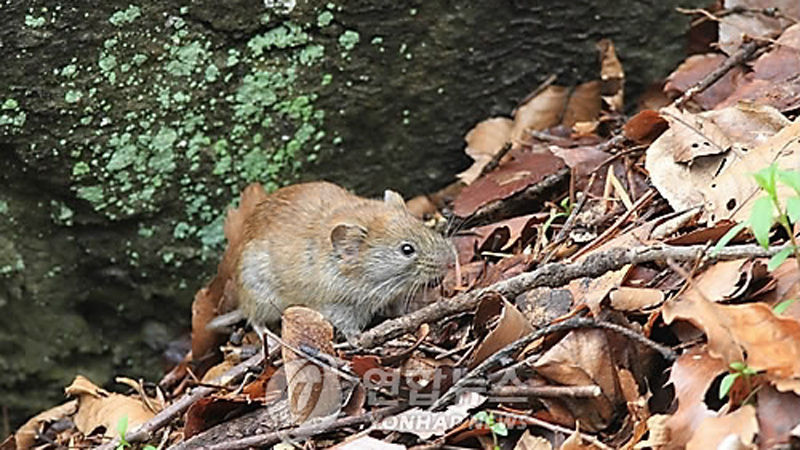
570, 324
554, 274
741, 55
307, 429
589, 391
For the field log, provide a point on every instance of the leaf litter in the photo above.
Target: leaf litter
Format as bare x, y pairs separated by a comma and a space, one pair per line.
587, 310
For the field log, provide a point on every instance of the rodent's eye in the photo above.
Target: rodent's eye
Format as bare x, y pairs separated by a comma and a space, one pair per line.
407, 249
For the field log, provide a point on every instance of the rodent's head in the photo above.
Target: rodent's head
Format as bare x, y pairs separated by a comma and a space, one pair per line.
395, 252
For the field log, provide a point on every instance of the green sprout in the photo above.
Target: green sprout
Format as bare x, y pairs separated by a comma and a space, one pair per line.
497, 428
768, 211
122, 428
739, 369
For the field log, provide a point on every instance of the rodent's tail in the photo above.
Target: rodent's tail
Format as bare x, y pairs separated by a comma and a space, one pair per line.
222, 322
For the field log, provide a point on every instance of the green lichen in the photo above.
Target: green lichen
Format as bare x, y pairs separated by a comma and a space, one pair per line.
190, 137
125, 16
348, 40
3, 207
34, 22
324, 19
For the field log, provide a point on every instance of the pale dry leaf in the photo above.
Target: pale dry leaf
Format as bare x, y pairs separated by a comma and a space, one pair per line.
714, 431
484, 141
367, 442
612, 74
314, 390
734, 27
635, 299
540, 112
530, 442
691, 375
584, 105
100, 408
659, 436
25, 435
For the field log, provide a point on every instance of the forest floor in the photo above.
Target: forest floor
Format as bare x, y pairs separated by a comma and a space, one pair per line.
622, 281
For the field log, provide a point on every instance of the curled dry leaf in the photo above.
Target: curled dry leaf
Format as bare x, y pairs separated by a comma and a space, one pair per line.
582, 358
100, 408
645, 127
691, 375
511, 326
530, 442
749, 333
635, 299
714, 431
584, 104
314, 390
484, 141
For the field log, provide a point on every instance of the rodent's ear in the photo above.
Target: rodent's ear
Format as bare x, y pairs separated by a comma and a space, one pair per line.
392, 198
347, 240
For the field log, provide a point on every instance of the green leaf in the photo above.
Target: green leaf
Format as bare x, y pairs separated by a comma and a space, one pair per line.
761, 220
481, 417
149, 447
737, 366
781, 307
779, 258
732, 233
727, 383
766, 178
790, 178
749, 371
122, 426
500, 429
793, 209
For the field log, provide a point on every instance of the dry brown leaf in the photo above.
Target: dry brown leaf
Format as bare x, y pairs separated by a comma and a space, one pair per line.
584, 104
693, 70
582, 358
540, 112
659, 436
484, 141
635, 299
731, 194
713, 431
525, 169
778, 413
725, 138
749, 333
575, 442
100, 408
314, 390
367, 442
612, 74
511, 326
751, 23
691, 375
25, 436
530, 442
645, 127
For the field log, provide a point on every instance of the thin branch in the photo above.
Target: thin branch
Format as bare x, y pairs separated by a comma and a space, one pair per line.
509, 350
553, 275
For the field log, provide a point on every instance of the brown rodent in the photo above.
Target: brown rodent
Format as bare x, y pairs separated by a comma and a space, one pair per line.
317, 245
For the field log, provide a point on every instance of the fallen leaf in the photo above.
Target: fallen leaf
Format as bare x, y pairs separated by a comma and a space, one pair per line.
645, 127
693, 70
484, 141
511, 325
691, 375
314, 390
778, 413
25, 436
99, 408
635, 299
367, 442
612, 75
530, 442
749, 333
584, 104
538, 113
752, 23
713, 431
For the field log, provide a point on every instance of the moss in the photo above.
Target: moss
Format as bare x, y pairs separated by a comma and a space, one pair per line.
348, 40
207, 120
324, 19
34, 22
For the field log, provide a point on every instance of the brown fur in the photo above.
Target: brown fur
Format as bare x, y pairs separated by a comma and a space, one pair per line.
317, 245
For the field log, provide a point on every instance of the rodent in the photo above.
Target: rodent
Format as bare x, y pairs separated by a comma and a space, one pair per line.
316, 244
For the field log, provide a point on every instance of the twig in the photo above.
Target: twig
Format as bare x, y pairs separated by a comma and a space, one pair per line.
489, 363
745, 51
570, 222
495, 161
550, 426
553, 274
307, 429
590, 391
145, 431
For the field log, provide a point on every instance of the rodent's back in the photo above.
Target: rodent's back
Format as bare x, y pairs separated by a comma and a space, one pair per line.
316, 244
